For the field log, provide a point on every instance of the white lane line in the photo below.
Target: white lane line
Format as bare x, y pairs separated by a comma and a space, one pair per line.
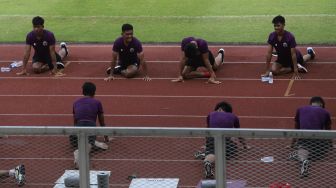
171, 62
151, 116
164, 96
153, 78
135, 160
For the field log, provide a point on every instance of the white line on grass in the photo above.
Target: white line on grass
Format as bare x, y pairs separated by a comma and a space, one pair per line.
166, 17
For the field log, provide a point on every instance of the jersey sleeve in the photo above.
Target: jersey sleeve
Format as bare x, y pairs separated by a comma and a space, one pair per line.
51, 39
100, 108
203, 47
291, 42
139, 47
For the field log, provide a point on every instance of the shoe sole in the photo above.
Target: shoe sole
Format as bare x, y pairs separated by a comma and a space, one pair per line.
60, 65
222, 51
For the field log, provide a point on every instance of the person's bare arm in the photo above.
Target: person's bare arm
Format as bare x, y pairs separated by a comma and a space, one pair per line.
268, 60
102, 124
183, 60
205, 57
296, 74
53, 58
143, 64
113, 64
25, 60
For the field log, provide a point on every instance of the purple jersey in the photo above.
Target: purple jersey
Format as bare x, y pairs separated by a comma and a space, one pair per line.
127, 54
283, 47
201, 44
87, 109
312, 117
222, 120
41, 46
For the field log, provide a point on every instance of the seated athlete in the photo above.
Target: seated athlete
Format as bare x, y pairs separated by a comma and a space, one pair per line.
289, 59
131, 56
45, 57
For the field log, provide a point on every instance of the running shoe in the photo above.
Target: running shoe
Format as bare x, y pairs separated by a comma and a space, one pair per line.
304, 168
221, 51
63, 45
199, 155
311, 52
208, 170
116, 70
302, 69
20, 175
293, 156
274, 54
60, 65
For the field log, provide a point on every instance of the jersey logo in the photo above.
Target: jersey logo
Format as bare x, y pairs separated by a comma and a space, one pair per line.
45, 43
276, 44
34, 44
285, 45
121, 50
131, 50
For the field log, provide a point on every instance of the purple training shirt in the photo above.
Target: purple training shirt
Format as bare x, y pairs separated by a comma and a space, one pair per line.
222, 120
87, 109
312, 117
284, 46
41, 46
201, 44
127, 53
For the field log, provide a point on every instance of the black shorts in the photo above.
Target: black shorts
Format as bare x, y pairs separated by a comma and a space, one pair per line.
46, 60
198, 61
317, 148
74, 139
125, 63
231, 147
289, 63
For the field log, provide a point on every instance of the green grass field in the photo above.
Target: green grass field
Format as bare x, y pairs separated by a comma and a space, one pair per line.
219, 21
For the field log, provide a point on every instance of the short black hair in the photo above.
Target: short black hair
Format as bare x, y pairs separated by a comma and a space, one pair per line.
190, 50
317, 99
225, 106
278, 19
126, 27
89, 89
38, 20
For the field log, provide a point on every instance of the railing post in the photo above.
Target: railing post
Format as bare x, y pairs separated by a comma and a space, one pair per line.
83, 157
220, 161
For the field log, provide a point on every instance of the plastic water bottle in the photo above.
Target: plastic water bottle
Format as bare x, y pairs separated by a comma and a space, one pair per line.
270, 78
16, 64
5, 69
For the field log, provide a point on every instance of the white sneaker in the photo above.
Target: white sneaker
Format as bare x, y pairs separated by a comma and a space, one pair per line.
311, 52
221, 51
63, 45
20, 175
302, 69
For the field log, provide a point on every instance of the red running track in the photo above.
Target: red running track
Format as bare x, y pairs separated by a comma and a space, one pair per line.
44, 100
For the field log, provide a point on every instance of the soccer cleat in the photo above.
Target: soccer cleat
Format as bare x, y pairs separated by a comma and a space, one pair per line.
293, 156
60, 65
302, 69
199, 155
116, 70
20, 175
275, 54
64, 46
208, 170
221, 51
311, 52
304, 168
